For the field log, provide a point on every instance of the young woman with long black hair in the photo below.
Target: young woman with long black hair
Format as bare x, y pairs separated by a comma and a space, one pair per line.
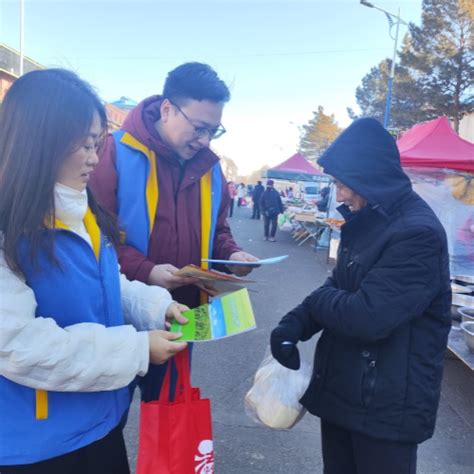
73, 332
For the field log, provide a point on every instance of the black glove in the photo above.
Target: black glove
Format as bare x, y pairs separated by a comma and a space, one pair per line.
283, 340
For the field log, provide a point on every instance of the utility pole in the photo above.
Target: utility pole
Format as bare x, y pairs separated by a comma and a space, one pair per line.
398, 21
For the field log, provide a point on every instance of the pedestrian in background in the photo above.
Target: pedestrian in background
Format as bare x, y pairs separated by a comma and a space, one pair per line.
232, 194
241, 192
73, 332
323, 203
385, 314
256, 196
271, 206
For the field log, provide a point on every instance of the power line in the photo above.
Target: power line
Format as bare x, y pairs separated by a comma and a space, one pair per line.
233, 56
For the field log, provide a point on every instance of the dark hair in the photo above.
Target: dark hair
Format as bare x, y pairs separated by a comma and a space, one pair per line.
194, 81
45, 115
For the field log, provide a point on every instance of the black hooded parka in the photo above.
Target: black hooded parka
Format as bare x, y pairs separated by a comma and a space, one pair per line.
385, 311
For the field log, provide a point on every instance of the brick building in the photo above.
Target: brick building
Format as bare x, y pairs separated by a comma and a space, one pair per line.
118, 110
10, 71
115, 116
10, 67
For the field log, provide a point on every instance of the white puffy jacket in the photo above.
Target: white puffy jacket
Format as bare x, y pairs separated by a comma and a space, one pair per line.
36, 352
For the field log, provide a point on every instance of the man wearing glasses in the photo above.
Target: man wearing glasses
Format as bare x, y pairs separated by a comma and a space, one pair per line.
167, 188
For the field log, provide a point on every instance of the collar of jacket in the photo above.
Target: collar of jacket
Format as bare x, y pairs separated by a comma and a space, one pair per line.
387, 214
70, 205
349, 215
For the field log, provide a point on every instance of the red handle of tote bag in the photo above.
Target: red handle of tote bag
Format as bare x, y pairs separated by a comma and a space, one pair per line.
183, 382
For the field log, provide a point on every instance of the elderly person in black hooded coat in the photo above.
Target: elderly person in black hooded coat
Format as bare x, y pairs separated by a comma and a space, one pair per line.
383, 315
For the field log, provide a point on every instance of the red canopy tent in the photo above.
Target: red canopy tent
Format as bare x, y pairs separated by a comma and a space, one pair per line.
296, 168
435, 144
440, 165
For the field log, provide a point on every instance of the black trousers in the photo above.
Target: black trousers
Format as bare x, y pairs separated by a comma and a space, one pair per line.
105, 456
348, 452
231, 207
269, 224
256, 210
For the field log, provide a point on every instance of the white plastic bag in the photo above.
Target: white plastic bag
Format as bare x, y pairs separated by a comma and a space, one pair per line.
286, 226
274, 397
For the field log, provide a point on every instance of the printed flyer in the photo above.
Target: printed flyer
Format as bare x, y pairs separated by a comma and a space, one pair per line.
212, 282
257, 263
224, 316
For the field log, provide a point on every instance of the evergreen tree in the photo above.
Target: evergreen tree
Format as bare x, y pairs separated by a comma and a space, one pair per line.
440, 55
318, 134
407, 98
435, 73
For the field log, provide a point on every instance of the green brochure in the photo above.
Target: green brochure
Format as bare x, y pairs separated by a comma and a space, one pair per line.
224, 316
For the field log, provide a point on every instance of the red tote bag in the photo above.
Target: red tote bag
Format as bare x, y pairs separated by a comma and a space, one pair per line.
176, 436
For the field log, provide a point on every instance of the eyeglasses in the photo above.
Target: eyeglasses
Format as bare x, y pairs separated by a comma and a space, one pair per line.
199, 132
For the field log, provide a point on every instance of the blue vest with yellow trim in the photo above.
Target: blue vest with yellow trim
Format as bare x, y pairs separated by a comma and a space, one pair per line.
82, 290
138, 194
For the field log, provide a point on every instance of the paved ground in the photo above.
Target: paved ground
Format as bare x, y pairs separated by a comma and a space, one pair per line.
224, 371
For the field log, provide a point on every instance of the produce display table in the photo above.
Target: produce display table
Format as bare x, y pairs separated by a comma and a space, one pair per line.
304, 217
310, 227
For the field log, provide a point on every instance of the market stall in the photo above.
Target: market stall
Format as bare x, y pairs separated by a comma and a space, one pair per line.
301, 215
441, 167
297, 168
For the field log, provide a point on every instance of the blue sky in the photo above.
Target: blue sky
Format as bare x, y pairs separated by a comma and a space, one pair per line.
280, 58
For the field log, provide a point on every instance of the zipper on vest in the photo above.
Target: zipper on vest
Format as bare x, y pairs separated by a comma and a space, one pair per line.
104, 297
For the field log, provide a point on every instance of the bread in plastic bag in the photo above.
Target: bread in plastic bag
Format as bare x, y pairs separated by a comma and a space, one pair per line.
274, 397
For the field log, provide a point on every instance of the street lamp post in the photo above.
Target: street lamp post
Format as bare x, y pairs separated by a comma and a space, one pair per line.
398, 21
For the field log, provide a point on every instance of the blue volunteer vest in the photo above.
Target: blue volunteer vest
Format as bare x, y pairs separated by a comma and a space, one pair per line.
138, 195
37, 425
